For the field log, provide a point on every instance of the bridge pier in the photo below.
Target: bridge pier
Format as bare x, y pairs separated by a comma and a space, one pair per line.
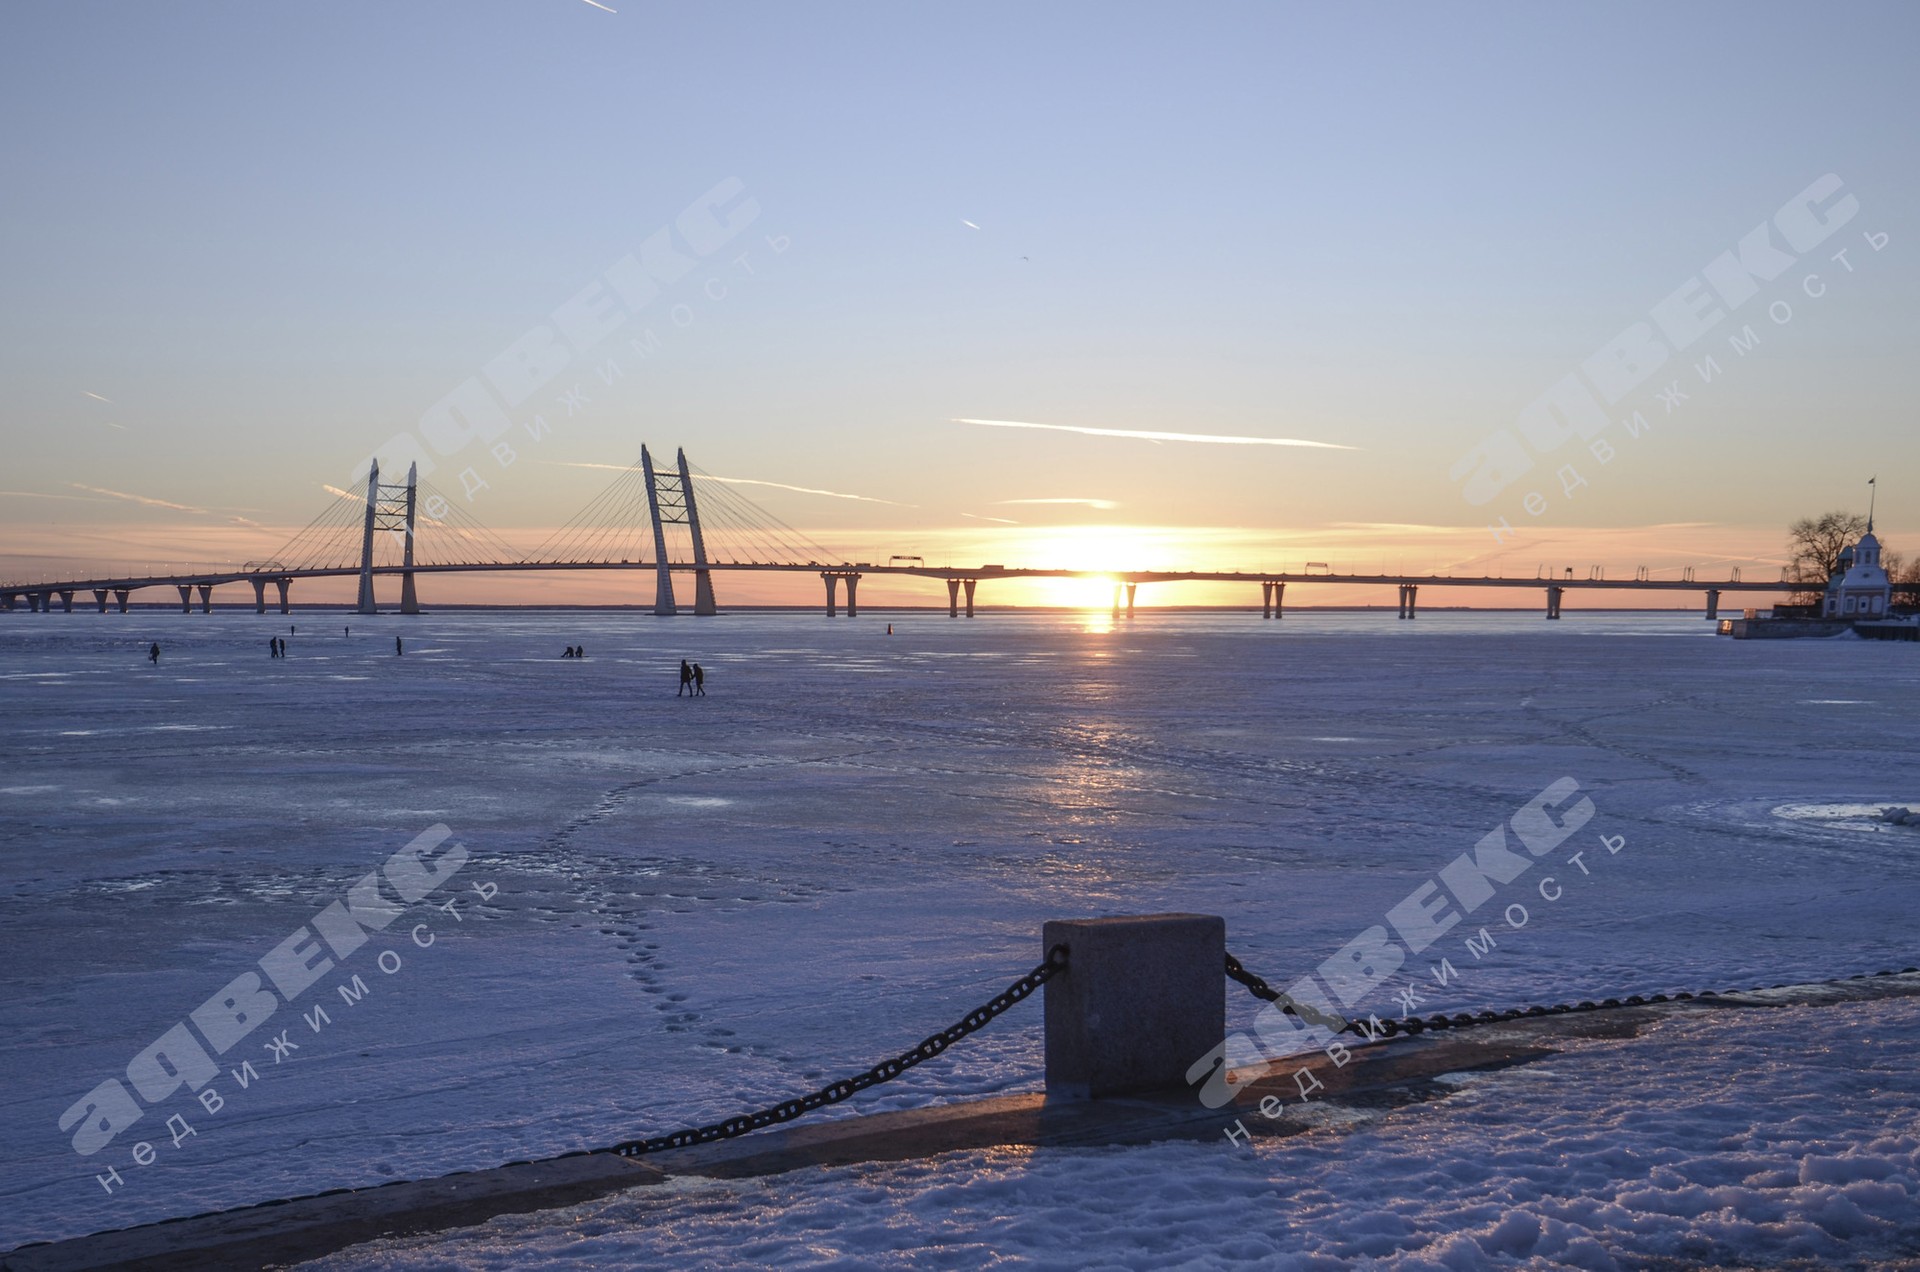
968, 584
833, 578
953, 598
100, 598
66, 601
186, 597
120, 597
1713, 603
1409, 600
206, 598
1553, 602
8, 601
1130, 588
283, 585
33, 602
259, 595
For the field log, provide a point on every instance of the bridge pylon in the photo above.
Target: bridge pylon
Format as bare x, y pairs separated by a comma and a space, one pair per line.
702, 577
670, 501
365, 605
409, 599
393, 509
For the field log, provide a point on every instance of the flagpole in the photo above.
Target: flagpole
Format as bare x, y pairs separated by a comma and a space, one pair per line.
1872, 492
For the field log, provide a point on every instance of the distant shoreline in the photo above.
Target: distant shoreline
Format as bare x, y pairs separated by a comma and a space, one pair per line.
647, 610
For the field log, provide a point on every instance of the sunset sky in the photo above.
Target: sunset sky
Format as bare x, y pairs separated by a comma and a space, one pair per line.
247, 246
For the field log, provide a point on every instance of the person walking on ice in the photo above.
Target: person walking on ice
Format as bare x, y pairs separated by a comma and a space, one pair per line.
398, 648
686, 679
699, 681
153, 653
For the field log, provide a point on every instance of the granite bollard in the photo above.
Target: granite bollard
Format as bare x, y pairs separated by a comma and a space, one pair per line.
1141, 999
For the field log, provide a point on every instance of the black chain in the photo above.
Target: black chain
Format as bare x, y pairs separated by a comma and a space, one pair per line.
833, 1093
1260, 989
1407, 1028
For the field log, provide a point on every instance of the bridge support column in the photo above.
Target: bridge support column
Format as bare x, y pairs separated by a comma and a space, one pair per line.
66, 602
663, 605
259, 595
833, 594
283, 585
186, 598
968, 584
1279, 595
703, 602
1130, 588
100, 598
206, 598
8, 601
1413, 597
953, 598
1266, 600
1403, 602
1553, 602
365, 604
33, 601
409, 599
853, 603
120, 597
1713, 603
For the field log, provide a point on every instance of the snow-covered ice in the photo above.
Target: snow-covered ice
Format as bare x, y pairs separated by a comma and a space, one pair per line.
707, 906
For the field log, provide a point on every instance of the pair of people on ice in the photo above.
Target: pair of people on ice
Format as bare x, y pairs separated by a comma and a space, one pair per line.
693, 680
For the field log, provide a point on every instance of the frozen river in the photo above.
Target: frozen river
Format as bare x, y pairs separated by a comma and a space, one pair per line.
703, 906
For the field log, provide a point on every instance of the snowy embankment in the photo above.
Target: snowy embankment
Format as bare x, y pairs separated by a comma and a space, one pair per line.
1783, 1138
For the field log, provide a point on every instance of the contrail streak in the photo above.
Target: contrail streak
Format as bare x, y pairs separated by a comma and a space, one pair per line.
1105, 505
744, 481
596, 4
1002, 520
96, 397
139, 499
1151, 435
42, 494
808, 490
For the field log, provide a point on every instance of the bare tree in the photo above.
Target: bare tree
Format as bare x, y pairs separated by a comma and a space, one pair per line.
1815, 544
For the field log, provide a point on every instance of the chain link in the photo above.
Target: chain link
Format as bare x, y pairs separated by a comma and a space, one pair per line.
1260, 989
1411, 1026
834, 1092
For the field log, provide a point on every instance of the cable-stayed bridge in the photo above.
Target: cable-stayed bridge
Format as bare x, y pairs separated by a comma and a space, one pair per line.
680, 521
